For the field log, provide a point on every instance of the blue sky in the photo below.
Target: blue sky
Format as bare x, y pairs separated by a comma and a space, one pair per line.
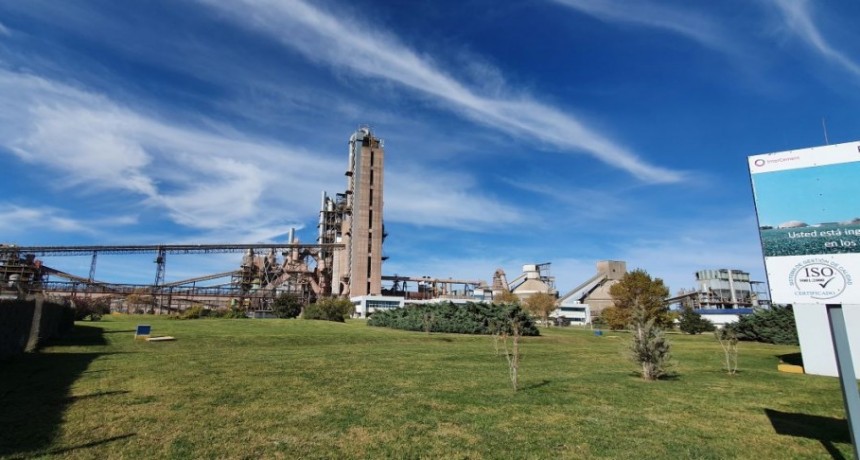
563, 131
811, 195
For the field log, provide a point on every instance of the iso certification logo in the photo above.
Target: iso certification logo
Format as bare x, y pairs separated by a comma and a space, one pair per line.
819, 279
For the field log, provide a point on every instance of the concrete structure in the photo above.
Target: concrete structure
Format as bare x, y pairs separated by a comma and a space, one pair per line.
354, 218
535, 280
590, 298
721, 289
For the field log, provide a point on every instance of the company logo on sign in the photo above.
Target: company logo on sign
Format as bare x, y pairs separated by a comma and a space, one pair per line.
759, 162
819, 279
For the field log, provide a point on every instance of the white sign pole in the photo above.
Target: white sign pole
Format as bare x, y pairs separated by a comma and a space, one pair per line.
847, 377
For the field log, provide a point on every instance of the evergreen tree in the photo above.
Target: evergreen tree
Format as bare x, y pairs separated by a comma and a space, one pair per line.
692, 322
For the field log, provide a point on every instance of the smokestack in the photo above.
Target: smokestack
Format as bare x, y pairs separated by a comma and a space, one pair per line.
292, 237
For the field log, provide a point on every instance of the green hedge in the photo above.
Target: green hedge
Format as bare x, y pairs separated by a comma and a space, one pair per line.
471, 318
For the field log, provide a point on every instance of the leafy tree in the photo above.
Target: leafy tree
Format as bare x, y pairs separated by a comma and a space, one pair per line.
691, 322
614, 318
287, 305
329, 309
541, 304
637, 291
506, 296
769, 325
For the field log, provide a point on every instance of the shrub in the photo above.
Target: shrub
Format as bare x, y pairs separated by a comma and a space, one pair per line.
234, 313
87, 307
287, 306
471, 318
769, 325
691, 322
194, 312
329, 309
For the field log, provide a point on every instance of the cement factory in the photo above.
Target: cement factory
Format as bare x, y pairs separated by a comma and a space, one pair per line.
346, 260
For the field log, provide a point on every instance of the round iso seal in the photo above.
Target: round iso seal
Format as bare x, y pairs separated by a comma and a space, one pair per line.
819, 279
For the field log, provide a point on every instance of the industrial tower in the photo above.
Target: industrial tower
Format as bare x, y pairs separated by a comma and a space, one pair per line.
354, 218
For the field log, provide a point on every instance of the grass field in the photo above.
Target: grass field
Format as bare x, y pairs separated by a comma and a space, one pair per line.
308, 389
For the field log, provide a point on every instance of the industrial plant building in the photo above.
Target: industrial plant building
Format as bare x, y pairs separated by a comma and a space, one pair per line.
346, 260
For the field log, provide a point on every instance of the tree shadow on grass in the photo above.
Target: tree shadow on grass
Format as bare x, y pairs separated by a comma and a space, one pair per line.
826, 430
533, 386
670, 377
34, 392
81, 336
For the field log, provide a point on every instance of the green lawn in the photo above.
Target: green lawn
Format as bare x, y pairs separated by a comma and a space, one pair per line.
309, 389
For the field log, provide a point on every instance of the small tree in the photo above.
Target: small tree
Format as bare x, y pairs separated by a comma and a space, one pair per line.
650, 349
287, 306
637, 291
512, 328
691, 322
728, 339
514, 355
541, 304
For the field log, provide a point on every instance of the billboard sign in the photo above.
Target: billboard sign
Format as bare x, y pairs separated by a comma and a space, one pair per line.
808, 207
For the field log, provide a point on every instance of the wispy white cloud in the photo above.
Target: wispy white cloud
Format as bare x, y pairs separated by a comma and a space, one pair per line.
646, 13
798, 17
5, 30
367, 51
443, 199
214, 180
16, 220
579, 204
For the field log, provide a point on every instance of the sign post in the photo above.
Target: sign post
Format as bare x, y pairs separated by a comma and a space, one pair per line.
847, 377
809, 226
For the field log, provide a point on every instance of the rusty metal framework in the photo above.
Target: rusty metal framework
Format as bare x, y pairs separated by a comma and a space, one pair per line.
258, 281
